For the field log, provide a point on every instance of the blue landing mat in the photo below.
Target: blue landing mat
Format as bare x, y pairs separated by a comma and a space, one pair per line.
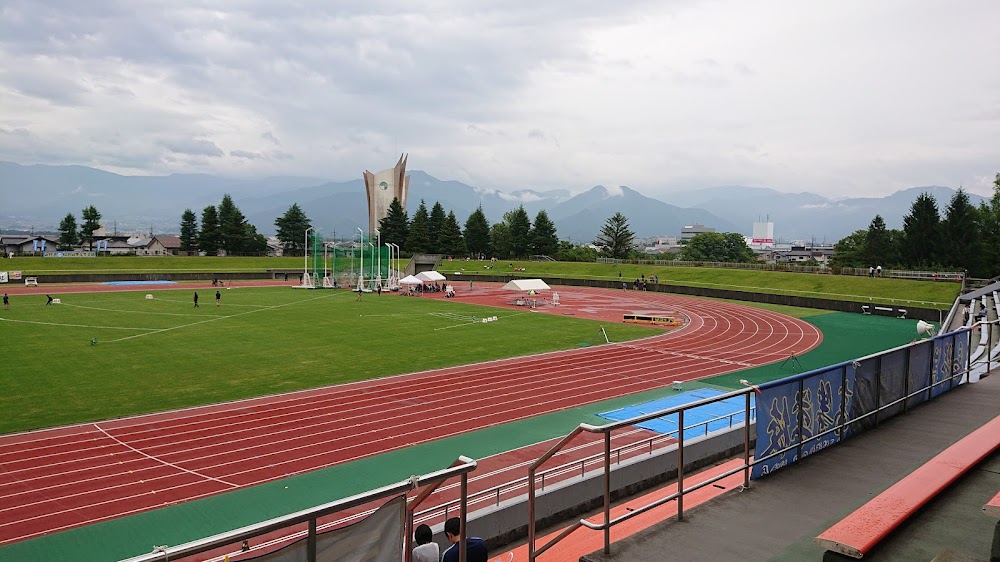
694, 419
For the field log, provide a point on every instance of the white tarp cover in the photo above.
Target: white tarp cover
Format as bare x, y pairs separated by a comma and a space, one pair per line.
430, 276
376, 538
410, 280
526, 285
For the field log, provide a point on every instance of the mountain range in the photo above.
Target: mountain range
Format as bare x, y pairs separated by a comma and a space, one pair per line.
39, 196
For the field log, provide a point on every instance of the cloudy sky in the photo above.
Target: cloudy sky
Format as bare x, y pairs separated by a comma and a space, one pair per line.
845, 98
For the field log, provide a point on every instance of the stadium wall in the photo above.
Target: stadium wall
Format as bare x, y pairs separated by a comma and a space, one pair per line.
505, 523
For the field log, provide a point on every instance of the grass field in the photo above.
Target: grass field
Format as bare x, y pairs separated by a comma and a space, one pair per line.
939, 295
838, 287
161, 354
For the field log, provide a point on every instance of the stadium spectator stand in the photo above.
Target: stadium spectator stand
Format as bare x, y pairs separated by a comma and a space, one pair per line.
859, 532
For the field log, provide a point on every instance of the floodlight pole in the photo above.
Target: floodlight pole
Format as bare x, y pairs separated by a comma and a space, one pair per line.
378, 246
371, 265
305, 256
361, 270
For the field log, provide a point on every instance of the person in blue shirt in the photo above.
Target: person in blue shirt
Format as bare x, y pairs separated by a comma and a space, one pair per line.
475, 547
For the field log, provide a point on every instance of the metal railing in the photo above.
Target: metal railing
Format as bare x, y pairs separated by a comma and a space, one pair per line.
461, 468
606, 430
958, 367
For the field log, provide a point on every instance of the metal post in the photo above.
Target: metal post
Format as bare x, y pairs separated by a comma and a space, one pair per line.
311, 542
798, 448
607, 492
843, 407
968, 353
878, 389
408, 539
746, 443
680, 465
906, 377
531, 513
463, 532
951, 366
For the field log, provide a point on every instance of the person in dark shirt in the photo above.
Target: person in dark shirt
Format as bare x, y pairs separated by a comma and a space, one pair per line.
50, 299
196, 299
475, 547
218, 298
6, 302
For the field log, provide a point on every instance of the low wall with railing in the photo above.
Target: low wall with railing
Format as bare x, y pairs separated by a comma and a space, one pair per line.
507, 522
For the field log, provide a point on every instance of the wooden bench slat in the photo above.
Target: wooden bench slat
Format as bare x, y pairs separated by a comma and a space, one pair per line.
992, 507
857, 533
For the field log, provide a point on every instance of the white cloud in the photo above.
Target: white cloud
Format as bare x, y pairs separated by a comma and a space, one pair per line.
845, 98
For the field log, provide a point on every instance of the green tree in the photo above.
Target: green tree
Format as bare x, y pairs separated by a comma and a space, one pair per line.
68, 235
451, 241
233, 232
209, 237
921, 229
851, 250
616, 239
500, 242
292, 227
394, 225
91, 222
718, 247
543, 235
990, 217
435, 224
568, 251
877, 243
960, 231
189, 231
418, 238
519, 226
477, 234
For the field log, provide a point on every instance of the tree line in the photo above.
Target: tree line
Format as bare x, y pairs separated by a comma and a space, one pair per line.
70, 234
966, 238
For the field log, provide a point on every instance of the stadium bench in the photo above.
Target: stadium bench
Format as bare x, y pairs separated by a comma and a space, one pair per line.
992, 507
860, 531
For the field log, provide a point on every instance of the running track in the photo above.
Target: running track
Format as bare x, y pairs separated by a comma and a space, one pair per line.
67, 477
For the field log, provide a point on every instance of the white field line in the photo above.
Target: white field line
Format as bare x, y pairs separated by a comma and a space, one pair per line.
77, 325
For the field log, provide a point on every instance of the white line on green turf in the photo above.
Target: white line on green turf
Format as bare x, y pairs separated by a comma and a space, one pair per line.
217, 318
206, 299
76, 325
134, 311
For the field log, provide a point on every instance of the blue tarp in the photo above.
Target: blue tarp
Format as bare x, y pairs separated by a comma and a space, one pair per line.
693, 418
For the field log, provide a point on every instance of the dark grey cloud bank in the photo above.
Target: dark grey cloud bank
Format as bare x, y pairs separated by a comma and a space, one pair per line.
847, 99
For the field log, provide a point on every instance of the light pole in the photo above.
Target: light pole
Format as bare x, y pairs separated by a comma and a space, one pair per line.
361, 271
305, 256
371, 264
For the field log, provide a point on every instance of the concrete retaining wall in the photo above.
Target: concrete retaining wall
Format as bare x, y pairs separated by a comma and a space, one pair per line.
508, 522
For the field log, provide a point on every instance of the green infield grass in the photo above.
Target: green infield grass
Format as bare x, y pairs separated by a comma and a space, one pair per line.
104, 355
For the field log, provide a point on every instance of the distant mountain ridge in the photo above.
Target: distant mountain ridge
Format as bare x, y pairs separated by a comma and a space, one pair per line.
39, 196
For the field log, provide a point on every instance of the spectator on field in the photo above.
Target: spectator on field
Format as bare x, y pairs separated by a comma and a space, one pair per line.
871, 271
50, 299
878, 271
196, 299
475, 547
6, 302
427, 550
218, 298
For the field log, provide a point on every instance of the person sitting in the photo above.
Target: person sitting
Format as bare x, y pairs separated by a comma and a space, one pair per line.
475, 547
427, 550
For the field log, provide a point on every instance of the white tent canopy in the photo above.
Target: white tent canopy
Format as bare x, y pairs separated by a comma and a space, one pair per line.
410, 280
526, 285
430, 276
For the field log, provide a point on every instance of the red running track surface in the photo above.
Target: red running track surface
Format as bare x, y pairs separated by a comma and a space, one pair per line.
61, 478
